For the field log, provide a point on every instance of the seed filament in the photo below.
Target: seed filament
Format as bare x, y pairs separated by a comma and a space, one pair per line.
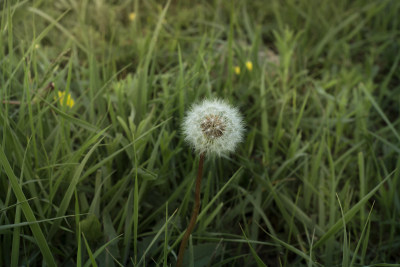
213, 126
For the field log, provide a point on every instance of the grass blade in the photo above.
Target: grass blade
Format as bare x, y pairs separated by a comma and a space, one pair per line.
349, 214
29, 215
72, 186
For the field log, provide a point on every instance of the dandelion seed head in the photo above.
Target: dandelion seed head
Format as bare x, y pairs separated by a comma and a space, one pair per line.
213, 127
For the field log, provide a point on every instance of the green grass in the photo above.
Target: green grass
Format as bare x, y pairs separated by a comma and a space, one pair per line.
109, 182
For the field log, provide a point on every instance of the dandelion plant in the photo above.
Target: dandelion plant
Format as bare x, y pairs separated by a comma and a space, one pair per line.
211, 127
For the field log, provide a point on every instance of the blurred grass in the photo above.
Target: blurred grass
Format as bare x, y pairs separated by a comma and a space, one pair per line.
315, 182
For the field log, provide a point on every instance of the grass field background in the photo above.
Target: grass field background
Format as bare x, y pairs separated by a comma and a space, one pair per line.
109, 181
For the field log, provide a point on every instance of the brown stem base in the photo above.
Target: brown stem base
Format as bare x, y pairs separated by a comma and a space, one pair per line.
195, 213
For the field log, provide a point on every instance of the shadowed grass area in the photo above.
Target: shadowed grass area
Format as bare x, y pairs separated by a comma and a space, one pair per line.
107, 179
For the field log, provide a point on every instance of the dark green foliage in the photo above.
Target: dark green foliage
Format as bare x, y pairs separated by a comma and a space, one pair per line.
110, 180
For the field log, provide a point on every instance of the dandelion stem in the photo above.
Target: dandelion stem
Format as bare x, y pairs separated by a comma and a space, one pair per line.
195, 213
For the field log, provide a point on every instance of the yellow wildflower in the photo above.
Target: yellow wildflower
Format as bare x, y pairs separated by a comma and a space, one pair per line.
132, 16
249, 65
237, 70
70, 101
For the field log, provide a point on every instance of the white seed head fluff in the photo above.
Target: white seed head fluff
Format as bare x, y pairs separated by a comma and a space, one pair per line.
213, 127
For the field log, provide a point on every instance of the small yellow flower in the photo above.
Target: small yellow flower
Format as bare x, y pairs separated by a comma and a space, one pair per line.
132, 16
37, 46
70, 101
237, 70
249, 65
